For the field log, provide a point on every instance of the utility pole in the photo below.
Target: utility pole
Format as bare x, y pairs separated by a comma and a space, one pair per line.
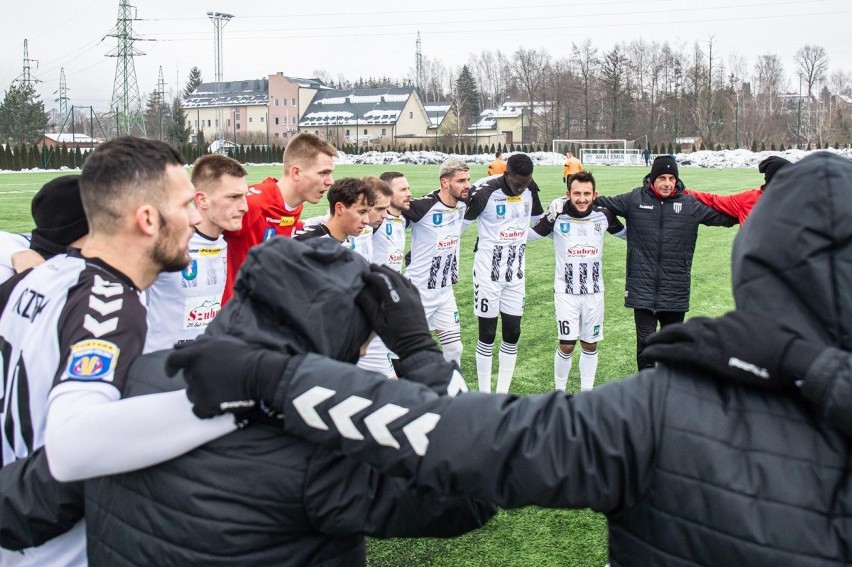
418, 66
161, 98
125, 90
26, 73
62, 119
219, 20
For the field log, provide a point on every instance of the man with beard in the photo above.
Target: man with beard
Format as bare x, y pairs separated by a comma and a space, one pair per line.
71, 327
577, 228
182, 304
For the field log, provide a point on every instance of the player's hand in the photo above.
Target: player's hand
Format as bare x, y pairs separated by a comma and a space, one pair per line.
739, 347
392, 305
227, 375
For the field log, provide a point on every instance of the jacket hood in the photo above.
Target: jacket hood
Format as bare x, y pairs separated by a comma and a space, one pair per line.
298, 297
792, 260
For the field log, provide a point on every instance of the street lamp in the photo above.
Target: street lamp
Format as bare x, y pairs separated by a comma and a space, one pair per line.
162, 117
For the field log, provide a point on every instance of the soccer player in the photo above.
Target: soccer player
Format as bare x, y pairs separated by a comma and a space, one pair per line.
362, 243
275, 205
350, 201
503, 205
497, 166
72, 326
572, 166
182, 304
436, 226
577, 228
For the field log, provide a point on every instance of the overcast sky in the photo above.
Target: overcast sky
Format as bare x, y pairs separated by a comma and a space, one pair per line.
376, 38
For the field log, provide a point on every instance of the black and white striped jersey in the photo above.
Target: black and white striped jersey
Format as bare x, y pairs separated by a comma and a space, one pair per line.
69, 323
503, 220
435, 235
389, 243
578, 245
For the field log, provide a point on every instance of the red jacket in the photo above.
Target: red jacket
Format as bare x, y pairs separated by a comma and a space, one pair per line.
738, 205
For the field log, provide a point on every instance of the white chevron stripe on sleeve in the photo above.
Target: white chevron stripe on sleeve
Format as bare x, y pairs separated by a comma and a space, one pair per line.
416, 432
342, 413
98, 328
457, 385
105, 288
105, 307
305, 404
377, 424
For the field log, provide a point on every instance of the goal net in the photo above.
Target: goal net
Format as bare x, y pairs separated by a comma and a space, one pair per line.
600, 152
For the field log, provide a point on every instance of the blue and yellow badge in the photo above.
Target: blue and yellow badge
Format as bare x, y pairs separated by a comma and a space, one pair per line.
268, 233
437, 218
92, 359
190, 272
501, 211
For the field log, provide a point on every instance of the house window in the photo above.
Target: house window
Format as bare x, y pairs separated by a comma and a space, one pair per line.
276, 102
284, 101
347, 132
276, 122
251, 119
411, 115
208, 124
263, 118
229, 121
196, 124
238, 126
237, 116
292, 120
276, 135
217, 123
365, 131
316, 132
293, 102
384, 131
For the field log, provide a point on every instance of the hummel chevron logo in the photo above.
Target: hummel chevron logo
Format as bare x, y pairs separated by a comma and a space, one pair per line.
377, 424
305, 404
457, 385
417, 430
97, 328
342, 413
104, 307
105, 288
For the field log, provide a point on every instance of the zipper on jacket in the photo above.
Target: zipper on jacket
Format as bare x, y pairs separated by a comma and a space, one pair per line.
659, 257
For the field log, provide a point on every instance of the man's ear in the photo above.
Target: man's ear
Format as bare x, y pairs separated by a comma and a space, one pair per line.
201, 200
147, 220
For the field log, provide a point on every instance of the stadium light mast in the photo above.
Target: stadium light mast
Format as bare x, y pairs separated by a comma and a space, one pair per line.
219, 19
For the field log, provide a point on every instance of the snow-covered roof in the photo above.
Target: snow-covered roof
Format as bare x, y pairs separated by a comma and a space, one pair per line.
69, 138
356, 106
437, 111
229, 93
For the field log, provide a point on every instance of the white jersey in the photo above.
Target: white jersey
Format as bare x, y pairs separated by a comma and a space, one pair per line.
578, 245
10, 243
389, 243
435, 235
503, 222
362, 243
71, 323
182, 304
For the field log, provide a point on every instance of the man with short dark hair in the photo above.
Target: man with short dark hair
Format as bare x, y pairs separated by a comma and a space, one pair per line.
577, 228
350, 201
275, 205
503, 206
663, 228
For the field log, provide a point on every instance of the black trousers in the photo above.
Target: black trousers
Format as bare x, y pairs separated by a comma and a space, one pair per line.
646, 324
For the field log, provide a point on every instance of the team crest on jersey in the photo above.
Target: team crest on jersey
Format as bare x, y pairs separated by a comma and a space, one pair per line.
268, 233
437, 218
190, 272
565, 227
501, 211
389, 229
598, 227
92, 359
677, 207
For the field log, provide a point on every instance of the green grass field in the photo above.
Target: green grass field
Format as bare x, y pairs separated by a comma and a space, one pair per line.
529, 536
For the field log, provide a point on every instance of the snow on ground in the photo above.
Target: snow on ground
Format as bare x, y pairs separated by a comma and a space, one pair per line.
715, 159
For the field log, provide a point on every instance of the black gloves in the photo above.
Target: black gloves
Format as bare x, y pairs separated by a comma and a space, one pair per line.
392, 305
226, 374
739, 347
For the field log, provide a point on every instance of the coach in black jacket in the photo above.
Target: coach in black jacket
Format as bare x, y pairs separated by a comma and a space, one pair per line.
662, 227
689, 470
255, 497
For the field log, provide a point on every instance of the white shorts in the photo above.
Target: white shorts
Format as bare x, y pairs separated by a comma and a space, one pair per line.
442, 313
492, 298
378, 358
579, 316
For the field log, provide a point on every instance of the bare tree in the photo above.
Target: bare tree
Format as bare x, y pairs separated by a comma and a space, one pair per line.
530, 67
615, 81
586, 59
769, 82
812, 64
493, 74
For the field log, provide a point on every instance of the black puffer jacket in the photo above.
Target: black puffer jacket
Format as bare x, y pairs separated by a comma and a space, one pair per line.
255, 497
661, 237
688, 470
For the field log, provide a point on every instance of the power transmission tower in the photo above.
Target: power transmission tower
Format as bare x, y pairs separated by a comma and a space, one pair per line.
126, 103
219, 20
418, 67
26, 75
161, 100
64, 115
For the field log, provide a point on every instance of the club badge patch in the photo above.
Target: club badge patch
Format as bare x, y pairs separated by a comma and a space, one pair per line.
92, 359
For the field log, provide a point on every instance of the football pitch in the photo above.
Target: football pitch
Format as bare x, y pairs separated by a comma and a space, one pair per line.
528, 536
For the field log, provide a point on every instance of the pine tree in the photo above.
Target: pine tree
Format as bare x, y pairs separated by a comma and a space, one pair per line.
22, 115
178, 131
781, 147
192, 82
466, 98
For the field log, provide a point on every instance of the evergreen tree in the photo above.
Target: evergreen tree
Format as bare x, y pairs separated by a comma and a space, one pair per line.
153, 116
466, 98
772, 146
193, 81
781, 147
178, 131
22, 115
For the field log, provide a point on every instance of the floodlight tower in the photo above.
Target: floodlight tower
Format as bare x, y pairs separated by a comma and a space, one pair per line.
219, 20
126, 102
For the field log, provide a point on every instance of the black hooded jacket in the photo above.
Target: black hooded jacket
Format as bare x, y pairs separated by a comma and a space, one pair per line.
689, 470
661, 235
255, 497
